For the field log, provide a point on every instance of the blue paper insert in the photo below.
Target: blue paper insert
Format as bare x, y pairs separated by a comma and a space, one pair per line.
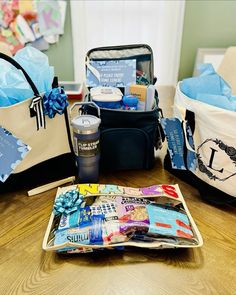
12, 152
115, 73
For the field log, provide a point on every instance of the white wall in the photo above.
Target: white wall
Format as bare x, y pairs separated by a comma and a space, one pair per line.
156, 23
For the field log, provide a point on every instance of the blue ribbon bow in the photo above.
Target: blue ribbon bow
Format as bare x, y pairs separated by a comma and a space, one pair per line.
55, 102
67, 203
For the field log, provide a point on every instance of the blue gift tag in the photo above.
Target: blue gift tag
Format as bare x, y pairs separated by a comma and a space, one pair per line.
116, 73
175, 139
12, 152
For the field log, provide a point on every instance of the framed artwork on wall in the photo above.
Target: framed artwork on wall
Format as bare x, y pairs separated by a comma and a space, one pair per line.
208, 55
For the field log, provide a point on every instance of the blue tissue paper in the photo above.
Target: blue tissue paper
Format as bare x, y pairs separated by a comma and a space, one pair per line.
192, 86
13, 86
36, 65
209, 88
219, 101
233, 102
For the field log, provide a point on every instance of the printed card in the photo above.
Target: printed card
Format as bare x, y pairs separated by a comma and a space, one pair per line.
12, 152
116, 73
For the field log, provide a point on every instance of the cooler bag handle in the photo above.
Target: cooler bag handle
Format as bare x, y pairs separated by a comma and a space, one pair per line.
36, 106
86, 103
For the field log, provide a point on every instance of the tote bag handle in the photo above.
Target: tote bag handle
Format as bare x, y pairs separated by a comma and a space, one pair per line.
36, 107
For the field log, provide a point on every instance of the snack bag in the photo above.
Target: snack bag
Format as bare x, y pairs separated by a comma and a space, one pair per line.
114, 220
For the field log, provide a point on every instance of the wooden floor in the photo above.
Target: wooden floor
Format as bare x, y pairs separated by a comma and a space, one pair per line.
26, 269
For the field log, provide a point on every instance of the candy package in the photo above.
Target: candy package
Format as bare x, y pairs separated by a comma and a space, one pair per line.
110, 216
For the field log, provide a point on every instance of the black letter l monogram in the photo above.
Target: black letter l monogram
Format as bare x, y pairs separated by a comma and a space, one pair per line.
211, 161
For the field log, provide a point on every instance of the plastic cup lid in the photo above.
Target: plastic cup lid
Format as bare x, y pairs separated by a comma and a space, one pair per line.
86, 122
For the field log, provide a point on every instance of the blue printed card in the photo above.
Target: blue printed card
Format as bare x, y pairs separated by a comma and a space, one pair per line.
116, 73
175, 139
12, 152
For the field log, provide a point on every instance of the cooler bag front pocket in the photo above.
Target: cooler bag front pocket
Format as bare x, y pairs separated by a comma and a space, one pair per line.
125, 148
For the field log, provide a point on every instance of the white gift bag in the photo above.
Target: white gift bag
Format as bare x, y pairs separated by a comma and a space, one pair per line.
51, 156
214, 137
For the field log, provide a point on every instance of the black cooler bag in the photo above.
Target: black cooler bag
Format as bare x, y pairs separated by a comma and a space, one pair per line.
128, 138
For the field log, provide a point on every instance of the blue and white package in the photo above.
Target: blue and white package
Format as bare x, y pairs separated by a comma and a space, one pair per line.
72, 219
168, 222
73, 235
85, 217
97, 229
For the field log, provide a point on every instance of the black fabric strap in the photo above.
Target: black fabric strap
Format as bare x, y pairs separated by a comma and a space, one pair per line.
185, 150
190, 118
68, 130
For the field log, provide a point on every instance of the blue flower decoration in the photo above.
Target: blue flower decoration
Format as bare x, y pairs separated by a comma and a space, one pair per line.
22, 148
55, 102
67, 203
15, 164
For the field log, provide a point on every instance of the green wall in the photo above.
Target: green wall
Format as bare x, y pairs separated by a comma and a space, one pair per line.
61, 54
207, 24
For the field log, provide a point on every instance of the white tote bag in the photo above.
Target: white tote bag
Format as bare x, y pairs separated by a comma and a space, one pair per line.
214, 142
51, 156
